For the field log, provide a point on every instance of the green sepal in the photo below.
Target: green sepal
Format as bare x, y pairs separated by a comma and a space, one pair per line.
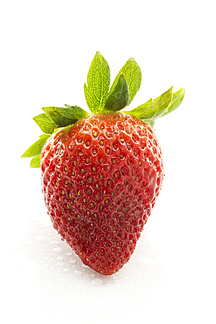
36, 161
36, 148
98, 82
153, 109
76, 111
119, 97
46, 124
177, 98
133, 76
65, 116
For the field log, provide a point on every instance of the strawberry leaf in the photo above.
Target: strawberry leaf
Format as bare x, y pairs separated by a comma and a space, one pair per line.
153, 109
98, 82
133, 76
36, 161
75, 111
177, 98
36, 148
46, 124
65, 116
119, 97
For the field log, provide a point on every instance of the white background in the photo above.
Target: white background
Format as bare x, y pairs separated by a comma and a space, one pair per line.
46, 50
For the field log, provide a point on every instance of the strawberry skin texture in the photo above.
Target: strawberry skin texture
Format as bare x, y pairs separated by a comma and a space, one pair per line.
100, 180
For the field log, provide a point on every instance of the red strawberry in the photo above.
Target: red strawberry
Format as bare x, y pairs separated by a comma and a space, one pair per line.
100, 181
102, 175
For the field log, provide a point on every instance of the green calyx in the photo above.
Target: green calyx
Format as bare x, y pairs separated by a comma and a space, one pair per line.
101, 98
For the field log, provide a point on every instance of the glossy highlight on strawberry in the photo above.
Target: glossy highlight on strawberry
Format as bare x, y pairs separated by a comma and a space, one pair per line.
102, 171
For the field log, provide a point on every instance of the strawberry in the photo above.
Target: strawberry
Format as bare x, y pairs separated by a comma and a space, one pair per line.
102, 172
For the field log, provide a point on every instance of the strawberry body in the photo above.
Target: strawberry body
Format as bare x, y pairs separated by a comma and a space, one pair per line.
100, 180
